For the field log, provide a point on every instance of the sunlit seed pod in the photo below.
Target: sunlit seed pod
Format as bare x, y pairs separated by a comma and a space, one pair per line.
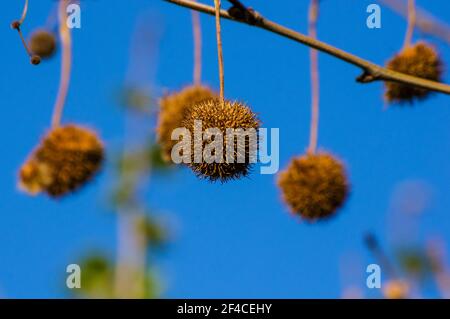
171, 112
34, 177
420, 60
216, 114
314, 186
42, 43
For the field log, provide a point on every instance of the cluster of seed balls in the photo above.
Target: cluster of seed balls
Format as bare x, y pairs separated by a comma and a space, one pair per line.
199, 103
314, 186
420, 60
65, 160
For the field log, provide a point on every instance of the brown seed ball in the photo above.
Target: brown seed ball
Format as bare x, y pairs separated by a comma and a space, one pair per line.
314, 186
221, 115
43, 43
419, 60
15, 25
171, 112
35, 59
67, 158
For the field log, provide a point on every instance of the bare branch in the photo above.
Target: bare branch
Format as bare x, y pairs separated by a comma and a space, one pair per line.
371, 71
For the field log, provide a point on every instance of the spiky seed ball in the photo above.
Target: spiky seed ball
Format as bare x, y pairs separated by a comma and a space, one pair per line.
171, 112
67, 158
419, 60
222, 115
314, 186
43, 43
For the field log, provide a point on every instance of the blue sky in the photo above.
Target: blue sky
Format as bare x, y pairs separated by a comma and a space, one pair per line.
236, 239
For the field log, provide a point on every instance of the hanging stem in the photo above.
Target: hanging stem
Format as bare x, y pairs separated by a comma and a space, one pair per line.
314, 69
411, 23
425, 21
66, 41
197, 32
24, 12
16, 25
219, 51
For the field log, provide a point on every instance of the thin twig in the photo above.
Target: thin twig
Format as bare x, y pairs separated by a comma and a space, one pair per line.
219, 50
66, 64
411, 23
17, 26
24, 12
197, 32
312, 31
24, 42
371, 72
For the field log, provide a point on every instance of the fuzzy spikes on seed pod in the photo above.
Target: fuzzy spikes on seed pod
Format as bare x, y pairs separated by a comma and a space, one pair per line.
43, 43
420, 60
223, 115
314, 186
67, 158
171, 113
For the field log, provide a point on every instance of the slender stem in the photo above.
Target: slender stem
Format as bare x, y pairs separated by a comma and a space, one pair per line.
18, 23
411, 23
219, 50
24, 12
425, 22
120, 273
312, 31
24, 42
66, 64
129, 281
197, 32
371, 71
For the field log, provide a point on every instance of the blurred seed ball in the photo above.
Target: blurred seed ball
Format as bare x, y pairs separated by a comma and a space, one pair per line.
396, 289
35, 59
214, 114
67, 158
314, 186
171, 112
420, 60
42, 43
